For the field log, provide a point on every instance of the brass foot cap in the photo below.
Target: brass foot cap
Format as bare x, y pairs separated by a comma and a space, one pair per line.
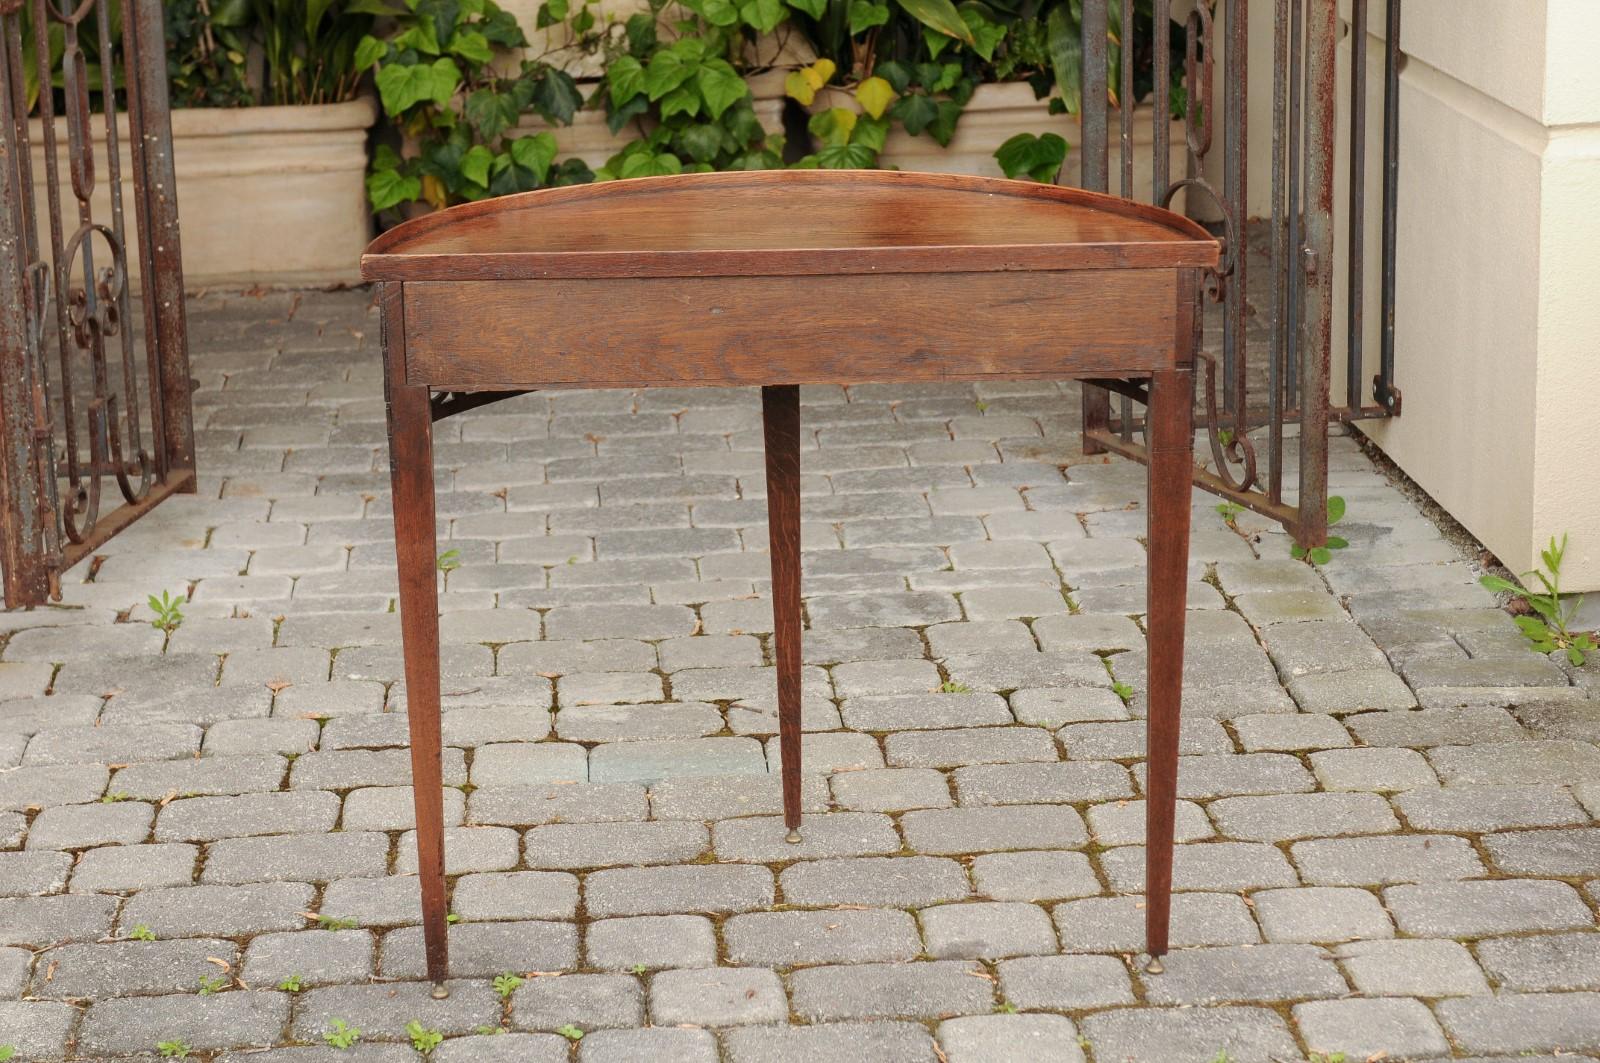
793, 838
440, 992
1154, 966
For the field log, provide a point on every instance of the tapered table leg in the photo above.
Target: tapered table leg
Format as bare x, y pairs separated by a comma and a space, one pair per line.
411, 472
1170, 435
780, 418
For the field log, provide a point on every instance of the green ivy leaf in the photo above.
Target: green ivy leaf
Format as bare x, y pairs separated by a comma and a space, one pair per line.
472, 46
1335, 509
682, 100
641, 32
667, 71
388, 188
491, 113
625, 76
870, 133
701, 141
915, 111
535, 153
814, 8
556, 96
403, 87
985, 34
369, 50
475, 164
896, 73
865, 14
1297, 552
943, 126
762, 16
720, 86
500, 28
1337, 543
1038, 158
846, 157
652, 165
1320, 555
621, 116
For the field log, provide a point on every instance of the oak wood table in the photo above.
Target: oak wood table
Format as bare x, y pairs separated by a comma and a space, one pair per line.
778, 279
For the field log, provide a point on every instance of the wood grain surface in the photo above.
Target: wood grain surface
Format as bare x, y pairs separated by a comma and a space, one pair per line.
787, 222
731, 331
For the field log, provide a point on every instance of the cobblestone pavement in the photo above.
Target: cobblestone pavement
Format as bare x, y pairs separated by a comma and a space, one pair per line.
1390, 846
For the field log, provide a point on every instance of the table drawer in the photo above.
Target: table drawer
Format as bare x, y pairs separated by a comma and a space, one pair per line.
684, 331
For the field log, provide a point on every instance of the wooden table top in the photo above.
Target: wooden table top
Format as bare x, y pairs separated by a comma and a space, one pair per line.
787, 223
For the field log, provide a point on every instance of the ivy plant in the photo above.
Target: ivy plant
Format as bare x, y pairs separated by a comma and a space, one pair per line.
675, 77
447, 79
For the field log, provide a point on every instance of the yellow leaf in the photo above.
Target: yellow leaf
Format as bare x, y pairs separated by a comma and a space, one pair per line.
433, 191
874, 94
824, 69
798, 86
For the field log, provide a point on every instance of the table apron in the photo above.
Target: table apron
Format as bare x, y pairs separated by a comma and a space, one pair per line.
747, 330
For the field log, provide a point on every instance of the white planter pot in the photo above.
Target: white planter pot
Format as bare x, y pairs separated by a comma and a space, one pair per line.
266, 195
998, 112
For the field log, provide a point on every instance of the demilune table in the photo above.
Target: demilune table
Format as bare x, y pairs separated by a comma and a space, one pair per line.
777, 279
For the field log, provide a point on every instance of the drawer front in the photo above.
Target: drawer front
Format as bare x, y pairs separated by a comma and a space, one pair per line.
729, 331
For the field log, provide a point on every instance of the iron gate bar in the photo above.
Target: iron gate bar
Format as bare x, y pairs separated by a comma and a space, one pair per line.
1299, 348
45, 529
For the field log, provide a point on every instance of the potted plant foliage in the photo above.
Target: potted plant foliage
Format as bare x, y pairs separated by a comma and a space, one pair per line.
982, 87
269, 138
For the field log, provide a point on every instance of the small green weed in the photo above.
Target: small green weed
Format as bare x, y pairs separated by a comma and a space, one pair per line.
448, 561
6, 1052
1551, 630
452, 918
330, 922
1005, 1007
111, 799
1230, 513
506, 984
142, 933
570, 1032
637, 968
292, 984
950, 686
168, 610
1222, 1057
981, 405
1331, 1057
1321, 555
488, 1031
423, 1039
1122, 690
212, 983
173, 1049
342, 1034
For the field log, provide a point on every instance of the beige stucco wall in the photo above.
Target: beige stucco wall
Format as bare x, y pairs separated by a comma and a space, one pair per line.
1497, 326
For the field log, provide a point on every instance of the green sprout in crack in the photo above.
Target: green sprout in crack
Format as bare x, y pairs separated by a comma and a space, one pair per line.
212, 983
142, 933
341, 1034
1230, 513
168, 610
950, 686
1321, 555
448, 561
506, 984
1122, 690
1550, 630
638, 968
570, 1032
423, 1039
331, 922
172, 1049
292, 984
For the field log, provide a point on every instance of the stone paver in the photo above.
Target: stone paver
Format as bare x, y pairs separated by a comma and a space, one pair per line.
1408, 864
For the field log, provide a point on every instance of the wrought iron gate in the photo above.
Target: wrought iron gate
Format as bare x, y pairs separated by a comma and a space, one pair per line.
81, 412
1247, 411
